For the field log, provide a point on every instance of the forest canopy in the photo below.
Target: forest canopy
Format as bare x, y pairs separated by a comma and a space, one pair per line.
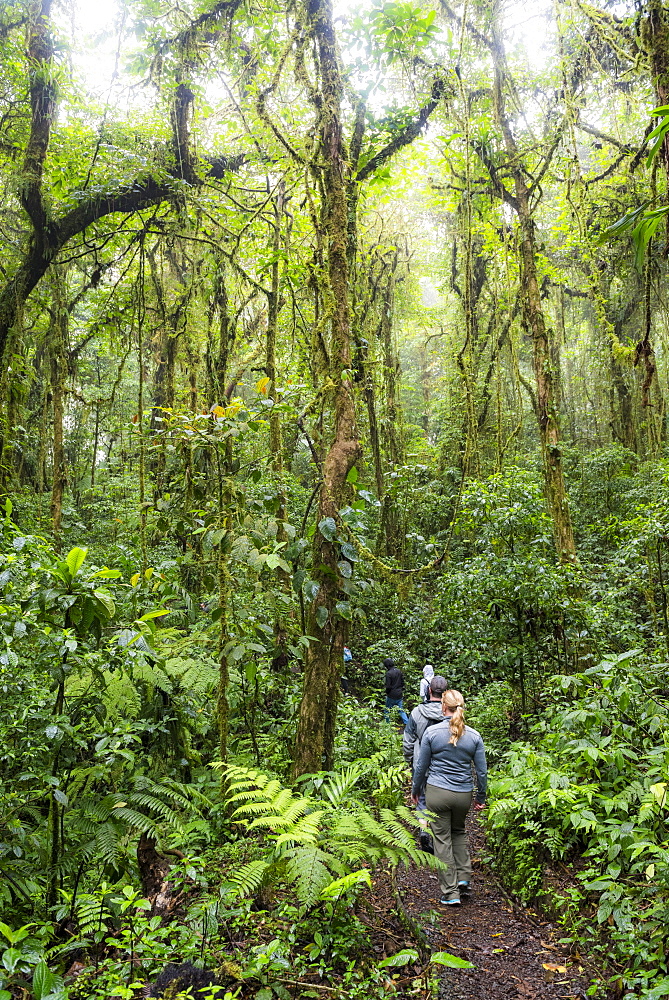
323, 326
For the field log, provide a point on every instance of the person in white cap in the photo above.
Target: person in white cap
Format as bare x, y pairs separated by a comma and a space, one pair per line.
428, 674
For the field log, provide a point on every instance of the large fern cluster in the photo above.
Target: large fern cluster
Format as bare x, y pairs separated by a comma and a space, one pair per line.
316, 843
126, 691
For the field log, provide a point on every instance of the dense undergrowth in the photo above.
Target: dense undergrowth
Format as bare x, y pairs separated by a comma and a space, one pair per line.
588, 788
109, 733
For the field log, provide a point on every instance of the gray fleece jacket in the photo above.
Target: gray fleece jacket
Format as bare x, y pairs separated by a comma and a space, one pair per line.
447, 766
422, 717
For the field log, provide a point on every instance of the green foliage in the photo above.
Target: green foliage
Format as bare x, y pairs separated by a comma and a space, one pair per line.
491, 711
317, 840
642, 220
593, 785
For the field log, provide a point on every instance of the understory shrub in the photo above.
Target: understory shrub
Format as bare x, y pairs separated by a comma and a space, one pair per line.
591, 787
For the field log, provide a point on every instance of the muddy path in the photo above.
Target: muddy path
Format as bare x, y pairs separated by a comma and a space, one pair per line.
516, 954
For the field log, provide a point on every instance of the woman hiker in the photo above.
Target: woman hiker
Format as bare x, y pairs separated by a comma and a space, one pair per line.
444, 762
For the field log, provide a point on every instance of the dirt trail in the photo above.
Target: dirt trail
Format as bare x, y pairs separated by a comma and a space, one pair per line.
516, 955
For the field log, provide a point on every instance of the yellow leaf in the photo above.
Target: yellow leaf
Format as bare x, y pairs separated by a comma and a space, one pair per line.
134, 579
660, 792
650, 871
148, 573
218, 411
262, 385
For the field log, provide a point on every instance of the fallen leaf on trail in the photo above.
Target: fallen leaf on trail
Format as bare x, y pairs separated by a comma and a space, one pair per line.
551, 947
550, 970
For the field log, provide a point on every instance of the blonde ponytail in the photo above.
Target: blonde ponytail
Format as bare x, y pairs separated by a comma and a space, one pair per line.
453, 704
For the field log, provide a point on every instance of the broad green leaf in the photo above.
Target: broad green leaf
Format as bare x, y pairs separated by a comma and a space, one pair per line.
328, 528
10, 959
451, 961
217, 536
403, 957
14, 936
341, 885
74, 560
106, 600
43, 980
311, 588
153, 614
349, 552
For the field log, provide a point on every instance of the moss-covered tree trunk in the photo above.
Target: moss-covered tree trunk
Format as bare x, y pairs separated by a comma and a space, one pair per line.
47, 234
58, 369
223, 469
314, 739
535, 325
392, 429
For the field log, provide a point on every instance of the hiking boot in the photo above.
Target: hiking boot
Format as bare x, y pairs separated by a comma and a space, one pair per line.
449, 902
464, 887
426, 843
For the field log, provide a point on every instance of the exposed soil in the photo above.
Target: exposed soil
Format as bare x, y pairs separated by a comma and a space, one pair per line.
515, 953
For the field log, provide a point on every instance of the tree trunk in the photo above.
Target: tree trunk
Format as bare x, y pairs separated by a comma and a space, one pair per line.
374, 443
57, 342
535, 324
392, 430
48, 234
273, 305
314, 740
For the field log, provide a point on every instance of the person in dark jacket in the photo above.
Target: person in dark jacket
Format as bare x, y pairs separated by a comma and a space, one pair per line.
447, 752
394, 690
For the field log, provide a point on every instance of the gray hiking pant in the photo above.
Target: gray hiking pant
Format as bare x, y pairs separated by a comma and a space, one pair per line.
450, 839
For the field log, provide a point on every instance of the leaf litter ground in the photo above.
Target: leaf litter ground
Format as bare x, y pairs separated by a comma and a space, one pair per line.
516, 954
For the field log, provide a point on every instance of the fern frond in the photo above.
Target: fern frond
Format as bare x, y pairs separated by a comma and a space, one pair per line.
306, 831
338, 788
307, 870
285, 818
248, 879
121, 696
136, 820
101, 809
107, 842
245, 776
151, 804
